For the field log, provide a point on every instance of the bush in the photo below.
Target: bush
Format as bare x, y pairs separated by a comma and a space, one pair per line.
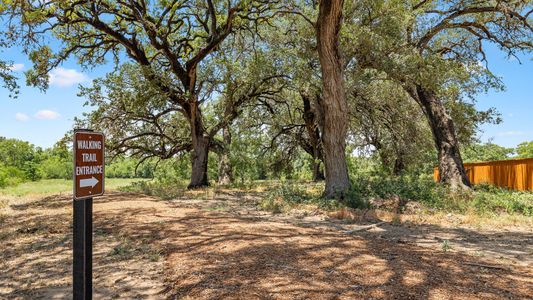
163, 190
282, 197
55, 167
121, 169
3, 177
419, 188
288, 195
356, 199
31, 170
244, 184
484, 199
173, 170
364, 188
11, 176
128, 168
492, 200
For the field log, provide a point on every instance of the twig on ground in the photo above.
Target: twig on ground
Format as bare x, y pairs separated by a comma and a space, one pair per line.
485, 266
363, 228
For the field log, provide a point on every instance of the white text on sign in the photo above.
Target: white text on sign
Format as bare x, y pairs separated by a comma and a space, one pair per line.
89, 145
89, 170
89, 164
89, 157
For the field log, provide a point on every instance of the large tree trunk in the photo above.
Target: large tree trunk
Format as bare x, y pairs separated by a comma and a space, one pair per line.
225, 172
199, 162
451, 168
312, 127
200, 144
334, 106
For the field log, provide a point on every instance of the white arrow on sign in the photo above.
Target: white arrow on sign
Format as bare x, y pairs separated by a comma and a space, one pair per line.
91, 182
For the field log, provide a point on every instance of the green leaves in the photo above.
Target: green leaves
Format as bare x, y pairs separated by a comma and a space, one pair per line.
42, 59
525, 150
9, 79
486, 152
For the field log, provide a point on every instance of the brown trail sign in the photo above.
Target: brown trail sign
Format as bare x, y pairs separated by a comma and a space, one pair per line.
89, 160
88, 164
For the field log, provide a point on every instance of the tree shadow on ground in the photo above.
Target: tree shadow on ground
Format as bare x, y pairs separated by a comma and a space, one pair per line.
36, 247
213, 260
515, 246
212, 255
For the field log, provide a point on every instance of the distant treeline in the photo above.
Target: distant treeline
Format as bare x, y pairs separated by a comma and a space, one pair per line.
21, 161
491, 152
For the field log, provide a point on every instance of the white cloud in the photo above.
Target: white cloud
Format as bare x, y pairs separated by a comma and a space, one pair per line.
46, 114
511, 133
16, 67
22, 117
62, 77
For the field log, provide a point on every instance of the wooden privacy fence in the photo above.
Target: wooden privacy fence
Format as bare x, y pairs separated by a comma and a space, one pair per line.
514, 174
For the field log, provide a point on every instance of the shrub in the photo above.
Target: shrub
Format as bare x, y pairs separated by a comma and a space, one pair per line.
288, 195
31, 170
172, 171
484, 199
124, 168
55, 167
3, 177
409, 187
282, 197
355, 198
489, 199
11, 176
163, 190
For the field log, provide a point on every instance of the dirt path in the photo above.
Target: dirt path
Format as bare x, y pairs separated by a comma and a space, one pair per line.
36, 247
223, 248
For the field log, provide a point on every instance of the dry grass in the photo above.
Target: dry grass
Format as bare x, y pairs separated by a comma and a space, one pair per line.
215, 244
426, 217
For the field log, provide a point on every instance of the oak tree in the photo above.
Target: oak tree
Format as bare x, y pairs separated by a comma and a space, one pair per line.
335, 107
170, 41
431, 47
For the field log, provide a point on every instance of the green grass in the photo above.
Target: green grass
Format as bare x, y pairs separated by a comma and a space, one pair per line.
130, 248
483, 200
490, 200
55, 186
287, 195
164, 190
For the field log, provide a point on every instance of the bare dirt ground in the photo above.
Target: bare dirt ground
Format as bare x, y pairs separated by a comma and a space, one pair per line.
222, 247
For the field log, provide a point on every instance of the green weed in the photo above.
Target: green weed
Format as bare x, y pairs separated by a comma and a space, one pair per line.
127, 249
163, 190
124, 251
482, 200
446, 246
493, 201
286, 196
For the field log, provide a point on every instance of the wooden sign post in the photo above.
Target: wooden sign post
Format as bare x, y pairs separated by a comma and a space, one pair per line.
89, 161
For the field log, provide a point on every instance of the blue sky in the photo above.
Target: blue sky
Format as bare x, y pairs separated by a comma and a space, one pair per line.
43, 118
515, 103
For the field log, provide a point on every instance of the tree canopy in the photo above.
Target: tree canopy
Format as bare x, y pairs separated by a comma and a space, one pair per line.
307, 83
